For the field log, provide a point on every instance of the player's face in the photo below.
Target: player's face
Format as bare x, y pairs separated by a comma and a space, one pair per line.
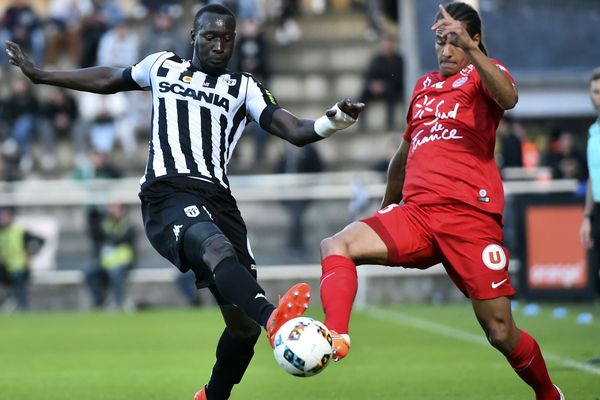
213, 41
595, 93
451, 58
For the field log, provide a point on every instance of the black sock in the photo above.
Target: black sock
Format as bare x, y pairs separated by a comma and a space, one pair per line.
233, 358
237, 286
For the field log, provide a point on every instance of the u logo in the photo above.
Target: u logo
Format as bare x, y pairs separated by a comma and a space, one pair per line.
493, 257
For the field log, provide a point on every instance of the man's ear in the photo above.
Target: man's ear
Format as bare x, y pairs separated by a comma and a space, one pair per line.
192, 35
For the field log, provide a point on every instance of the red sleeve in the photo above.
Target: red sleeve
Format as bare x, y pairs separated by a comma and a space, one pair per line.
502, 68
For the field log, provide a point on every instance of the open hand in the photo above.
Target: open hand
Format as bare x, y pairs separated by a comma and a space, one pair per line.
352, 108
18, 58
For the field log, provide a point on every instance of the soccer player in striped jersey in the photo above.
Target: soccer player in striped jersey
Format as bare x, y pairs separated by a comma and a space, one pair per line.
444, 173
190, 217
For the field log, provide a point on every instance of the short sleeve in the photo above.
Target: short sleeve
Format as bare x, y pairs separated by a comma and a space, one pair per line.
502, 68
260, 103
140, 72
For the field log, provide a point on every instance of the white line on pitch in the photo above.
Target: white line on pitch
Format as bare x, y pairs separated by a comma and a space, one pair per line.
448, 331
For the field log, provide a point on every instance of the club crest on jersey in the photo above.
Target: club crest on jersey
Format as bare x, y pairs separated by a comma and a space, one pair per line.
459, 82
229, 81
191, 211
493, 257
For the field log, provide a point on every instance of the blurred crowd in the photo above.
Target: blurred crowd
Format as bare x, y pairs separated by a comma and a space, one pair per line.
34, 120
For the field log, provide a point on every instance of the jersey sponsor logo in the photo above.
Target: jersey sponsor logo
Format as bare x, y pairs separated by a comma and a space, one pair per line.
186, 77
426, 82
459, 82
467, 70
211, 98
170, 64
426, 108
436, 133
176, 230
439, 85
191, 211
493, 257
270, 96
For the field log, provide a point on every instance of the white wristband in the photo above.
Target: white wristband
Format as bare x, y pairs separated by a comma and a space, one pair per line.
326, 126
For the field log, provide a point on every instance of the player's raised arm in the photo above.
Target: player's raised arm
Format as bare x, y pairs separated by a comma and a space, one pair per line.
303, 131
496, 81
103, 80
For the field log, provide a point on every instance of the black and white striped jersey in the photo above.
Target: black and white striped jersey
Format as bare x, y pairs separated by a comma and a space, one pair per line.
197, 119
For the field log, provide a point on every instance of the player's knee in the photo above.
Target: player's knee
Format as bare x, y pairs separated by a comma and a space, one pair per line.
248, 333
217, 250
204, 243
499, 335
333, 245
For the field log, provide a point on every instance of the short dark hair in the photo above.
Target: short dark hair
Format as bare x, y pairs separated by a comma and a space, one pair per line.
467, 14
214, 9
595, 74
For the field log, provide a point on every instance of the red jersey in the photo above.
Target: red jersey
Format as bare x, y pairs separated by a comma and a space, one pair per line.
451, 129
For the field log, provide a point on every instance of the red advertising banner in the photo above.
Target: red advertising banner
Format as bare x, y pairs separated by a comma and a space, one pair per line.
555, 257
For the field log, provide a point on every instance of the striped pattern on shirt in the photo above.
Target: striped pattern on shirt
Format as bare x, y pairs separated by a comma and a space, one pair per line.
197, 119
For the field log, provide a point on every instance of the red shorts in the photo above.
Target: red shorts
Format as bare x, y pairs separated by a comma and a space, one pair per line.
467, 242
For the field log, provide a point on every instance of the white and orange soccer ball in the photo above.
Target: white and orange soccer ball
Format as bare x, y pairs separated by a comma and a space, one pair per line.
303, 346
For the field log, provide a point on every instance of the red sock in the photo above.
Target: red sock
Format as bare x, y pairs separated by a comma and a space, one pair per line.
529, 364
338, 289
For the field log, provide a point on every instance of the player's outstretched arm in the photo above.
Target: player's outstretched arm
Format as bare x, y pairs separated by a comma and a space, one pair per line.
104, 80
303, 131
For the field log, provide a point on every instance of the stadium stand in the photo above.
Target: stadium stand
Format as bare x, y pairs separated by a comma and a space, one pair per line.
308, 76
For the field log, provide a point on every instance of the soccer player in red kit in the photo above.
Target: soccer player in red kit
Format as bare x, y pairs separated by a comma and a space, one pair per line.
444, 172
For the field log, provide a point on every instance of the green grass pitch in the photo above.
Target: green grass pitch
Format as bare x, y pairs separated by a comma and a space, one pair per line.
415, 352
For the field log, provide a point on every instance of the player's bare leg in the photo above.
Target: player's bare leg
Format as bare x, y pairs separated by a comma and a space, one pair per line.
355, 244
520, 349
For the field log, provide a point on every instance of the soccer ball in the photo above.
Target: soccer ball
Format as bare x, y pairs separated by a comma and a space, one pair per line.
303, 346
